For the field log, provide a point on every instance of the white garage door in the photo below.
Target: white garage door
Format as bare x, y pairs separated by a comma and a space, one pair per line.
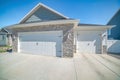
44, 43
88, 42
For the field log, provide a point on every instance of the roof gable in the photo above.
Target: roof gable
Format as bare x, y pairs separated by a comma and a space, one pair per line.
3, 31
42, 13
115, 19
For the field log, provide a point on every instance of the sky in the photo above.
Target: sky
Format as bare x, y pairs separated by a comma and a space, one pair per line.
87, 11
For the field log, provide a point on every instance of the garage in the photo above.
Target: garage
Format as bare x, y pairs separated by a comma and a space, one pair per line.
44, 43
88, 42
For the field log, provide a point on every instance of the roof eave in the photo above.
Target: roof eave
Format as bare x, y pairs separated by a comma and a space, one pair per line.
94, 27
44, 23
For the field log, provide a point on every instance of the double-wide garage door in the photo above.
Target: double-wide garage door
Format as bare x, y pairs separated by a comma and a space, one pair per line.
88, 42
44, 43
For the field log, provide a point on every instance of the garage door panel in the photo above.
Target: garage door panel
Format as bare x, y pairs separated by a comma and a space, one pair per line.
88, 42
85, 47
49, 44
40, 38
45, 48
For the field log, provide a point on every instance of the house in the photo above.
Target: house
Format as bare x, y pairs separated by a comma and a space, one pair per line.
5, 37
113, 42
114, 33
45, 31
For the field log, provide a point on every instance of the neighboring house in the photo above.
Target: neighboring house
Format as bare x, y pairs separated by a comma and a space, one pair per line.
47, 32
114, 33
5, 38
113, 43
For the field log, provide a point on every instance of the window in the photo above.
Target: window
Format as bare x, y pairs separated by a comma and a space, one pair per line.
109, 32
2, 37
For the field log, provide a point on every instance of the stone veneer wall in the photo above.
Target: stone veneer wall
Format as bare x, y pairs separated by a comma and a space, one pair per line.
68, 36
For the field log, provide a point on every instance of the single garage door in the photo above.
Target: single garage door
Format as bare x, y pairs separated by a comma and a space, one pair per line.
88, 42
44, 43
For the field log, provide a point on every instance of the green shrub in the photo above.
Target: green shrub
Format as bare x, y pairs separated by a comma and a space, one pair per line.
4, 48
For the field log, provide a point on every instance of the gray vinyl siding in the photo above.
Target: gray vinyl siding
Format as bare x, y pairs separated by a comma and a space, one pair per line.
43, 14
115, 31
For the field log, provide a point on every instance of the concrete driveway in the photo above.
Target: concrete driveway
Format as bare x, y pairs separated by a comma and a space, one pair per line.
82, 67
